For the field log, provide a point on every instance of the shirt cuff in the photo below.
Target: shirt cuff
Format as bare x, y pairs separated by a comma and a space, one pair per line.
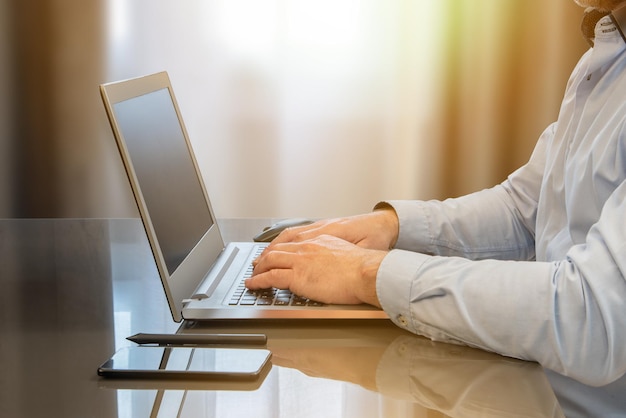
394, 280
397, 274
413, 217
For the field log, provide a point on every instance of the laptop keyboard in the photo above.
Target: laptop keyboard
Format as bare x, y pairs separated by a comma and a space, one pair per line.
266, 297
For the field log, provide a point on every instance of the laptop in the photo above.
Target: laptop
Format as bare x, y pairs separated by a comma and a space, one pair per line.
202, 278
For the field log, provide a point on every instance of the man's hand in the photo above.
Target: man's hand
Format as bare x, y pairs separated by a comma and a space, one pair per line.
325, 268
376, 230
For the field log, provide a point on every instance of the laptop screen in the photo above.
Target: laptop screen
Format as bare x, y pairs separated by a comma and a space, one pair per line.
164, 167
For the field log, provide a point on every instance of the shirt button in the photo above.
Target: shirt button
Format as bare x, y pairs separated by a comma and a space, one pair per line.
402, 320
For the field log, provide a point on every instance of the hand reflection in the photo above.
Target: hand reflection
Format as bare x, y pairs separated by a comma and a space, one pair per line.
349, 364
458, 381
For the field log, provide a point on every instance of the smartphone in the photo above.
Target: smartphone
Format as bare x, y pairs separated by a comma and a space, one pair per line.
152, 362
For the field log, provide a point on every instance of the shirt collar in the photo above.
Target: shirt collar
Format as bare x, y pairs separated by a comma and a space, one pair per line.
618, 16
592, 17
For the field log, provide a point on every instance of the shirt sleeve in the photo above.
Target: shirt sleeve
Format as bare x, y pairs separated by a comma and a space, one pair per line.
496, 223
475, 283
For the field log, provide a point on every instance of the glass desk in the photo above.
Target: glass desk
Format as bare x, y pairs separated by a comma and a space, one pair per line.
73, 290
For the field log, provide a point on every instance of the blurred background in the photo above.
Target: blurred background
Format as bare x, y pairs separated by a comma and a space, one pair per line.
294, 108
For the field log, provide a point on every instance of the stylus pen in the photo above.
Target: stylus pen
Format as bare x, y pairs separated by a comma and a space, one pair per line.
198, 339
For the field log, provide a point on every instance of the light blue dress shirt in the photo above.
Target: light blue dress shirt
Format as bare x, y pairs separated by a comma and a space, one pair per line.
534, 268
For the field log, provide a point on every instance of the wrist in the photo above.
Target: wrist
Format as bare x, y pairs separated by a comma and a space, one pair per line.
389, 222
369, 274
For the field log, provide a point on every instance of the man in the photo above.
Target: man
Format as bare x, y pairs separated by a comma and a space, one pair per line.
534, 268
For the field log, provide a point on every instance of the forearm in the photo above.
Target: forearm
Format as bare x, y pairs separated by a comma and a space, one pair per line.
493, 223
478, 226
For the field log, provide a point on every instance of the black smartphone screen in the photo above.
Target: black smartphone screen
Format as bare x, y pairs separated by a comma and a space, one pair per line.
186, 363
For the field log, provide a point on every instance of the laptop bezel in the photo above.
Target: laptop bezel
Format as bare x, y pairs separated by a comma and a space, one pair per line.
182, 283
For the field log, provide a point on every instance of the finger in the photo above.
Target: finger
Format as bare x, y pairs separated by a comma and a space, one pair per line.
283, 237
279, 258
329, 227
278, 278
296, 233
274, 248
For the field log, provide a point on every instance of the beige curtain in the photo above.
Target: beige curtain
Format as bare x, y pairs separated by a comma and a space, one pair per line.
507, 64
294, 107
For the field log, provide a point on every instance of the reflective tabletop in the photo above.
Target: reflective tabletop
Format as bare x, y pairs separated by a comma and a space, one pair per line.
74, 289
